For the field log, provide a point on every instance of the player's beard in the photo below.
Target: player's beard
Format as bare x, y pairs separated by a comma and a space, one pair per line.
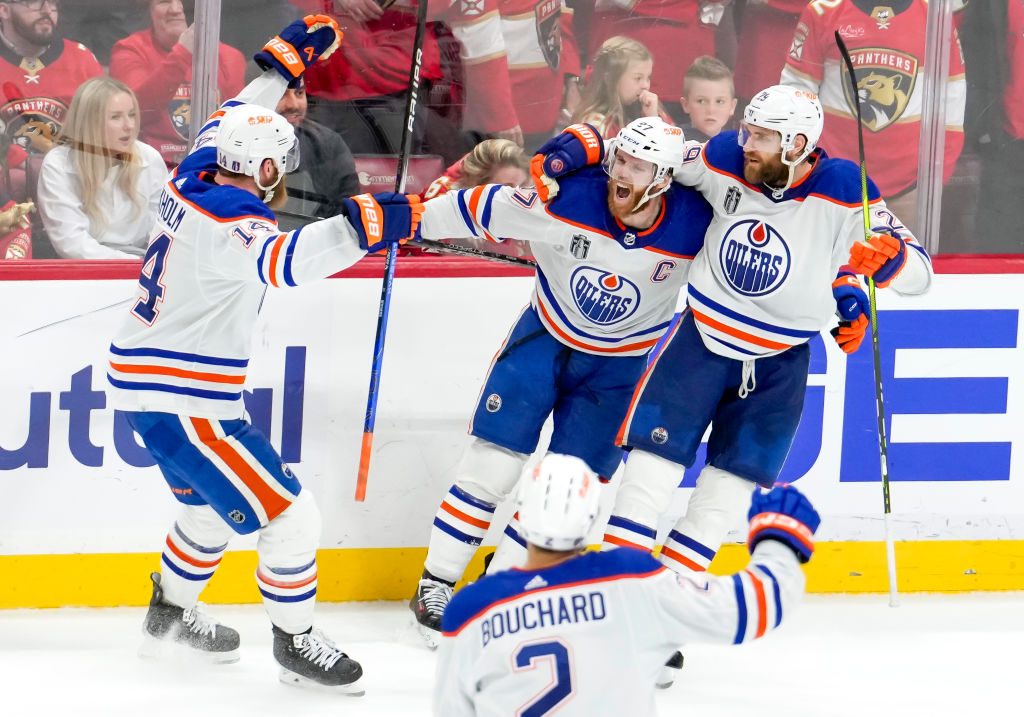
770, 170
38, 32
280, 194
623, 208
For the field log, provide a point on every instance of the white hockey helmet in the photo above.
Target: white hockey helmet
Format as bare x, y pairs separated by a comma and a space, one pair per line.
249, 134
790, 112
651, 139
558, 503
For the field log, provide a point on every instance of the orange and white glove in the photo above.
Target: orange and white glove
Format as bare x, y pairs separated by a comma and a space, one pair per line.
882, 257
303, 42
853, 309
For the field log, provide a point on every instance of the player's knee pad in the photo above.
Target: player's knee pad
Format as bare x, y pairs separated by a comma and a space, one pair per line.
648, 482
291, 539
719, 501
489, 472
203, 526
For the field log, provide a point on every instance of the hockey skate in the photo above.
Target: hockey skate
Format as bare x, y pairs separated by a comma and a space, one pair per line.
310, 659
428, 604
670, 671
189, 627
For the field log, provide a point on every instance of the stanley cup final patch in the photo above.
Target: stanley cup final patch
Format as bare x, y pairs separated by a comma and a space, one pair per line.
732, 200
579, 246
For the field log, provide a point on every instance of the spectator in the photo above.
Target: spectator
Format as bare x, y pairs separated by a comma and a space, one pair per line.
98, 24
39, 73
761, 53
676, 31
543, 64
886, 45
996, 84
156, 64
708, 98
493, 161
618, 87
327, 169
360, 92
99, 188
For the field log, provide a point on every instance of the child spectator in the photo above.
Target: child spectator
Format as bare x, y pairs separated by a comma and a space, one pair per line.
99, 187
708, 98
618, 87
156, 64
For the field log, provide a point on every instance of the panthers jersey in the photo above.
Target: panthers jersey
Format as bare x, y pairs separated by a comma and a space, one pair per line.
185, 345
888, 53
599, 627
763, 281
602, 287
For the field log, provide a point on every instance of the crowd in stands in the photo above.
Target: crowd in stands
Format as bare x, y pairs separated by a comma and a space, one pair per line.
96, 98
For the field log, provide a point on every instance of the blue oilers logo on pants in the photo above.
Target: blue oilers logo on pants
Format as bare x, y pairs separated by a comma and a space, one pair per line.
754, 258
603, 297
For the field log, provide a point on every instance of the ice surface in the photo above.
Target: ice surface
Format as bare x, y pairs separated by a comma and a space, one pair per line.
838, 656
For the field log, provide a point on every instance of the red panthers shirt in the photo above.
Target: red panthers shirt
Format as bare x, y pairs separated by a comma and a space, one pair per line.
35, 93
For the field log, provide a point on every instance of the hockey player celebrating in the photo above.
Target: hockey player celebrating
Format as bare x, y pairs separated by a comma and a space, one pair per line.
605, 619
178, 364
786, 218
612, 253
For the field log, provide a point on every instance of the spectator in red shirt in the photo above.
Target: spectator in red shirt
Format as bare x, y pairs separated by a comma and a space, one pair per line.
157, 64
766, 28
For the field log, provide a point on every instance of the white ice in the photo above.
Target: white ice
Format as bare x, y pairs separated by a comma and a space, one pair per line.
838, 656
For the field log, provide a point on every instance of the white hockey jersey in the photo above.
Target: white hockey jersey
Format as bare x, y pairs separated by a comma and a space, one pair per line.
186, 342
590, 635
601, 287
763, 281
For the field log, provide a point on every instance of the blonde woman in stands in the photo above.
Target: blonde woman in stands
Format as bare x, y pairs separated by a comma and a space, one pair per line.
618, 87
99, 187
493, 161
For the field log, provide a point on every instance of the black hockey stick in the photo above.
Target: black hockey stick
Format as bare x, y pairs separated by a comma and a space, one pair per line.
883, 442
392, 255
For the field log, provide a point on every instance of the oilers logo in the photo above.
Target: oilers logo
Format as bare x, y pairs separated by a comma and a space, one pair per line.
754, 258
603, 297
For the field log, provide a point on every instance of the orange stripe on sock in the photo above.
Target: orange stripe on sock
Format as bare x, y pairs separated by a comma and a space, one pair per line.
482, 524
622, 542
284, 585
680, 558
762, 606
188, 558
273, 504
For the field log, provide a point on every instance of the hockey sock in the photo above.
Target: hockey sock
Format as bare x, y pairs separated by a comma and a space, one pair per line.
511, 550
459, 527
289, 595
191, 554
628, 533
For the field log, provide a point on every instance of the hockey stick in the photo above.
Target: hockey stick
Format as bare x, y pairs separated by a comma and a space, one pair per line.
392, 255
883, 442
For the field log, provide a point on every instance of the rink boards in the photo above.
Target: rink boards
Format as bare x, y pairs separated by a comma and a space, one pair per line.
84, 511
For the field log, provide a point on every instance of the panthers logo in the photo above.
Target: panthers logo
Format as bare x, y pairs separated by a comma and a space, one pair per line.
36, 133
885, 82
180, 112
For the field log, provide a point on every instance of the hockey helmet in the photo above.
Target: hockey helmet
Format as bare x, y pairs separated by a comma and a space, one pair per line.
790, 112
651, 139
558, 503
249, 134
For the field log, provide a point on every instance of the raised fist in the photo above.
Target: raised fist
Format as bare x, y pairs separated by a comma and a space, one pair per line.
575, 147
299, 45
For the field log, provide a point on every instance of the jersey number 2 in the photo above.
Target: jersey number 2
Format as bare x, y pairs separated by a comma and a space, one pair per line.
150, 277
527, 657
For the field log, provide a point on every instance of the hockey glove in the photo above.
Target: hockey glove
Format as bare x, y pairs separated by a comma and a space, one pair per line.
577, 146
853, 309
881, 257
384, 218
299, 45
783, 514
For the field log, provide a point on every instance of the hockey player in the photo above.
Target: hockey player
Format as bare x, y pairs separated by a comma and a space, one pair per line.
178, 363
612, 253
604, 622
786, 218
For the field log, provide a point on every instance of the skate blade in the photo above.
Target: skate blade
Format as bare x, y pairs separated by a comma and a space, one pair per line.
431, 637
352, 689
153, 648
